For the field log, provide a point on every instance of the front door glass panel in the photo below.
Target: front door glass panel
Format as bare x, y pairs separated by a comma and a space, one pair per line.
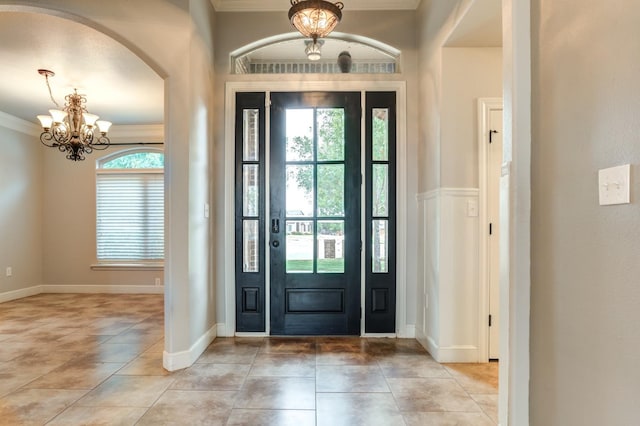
300, 190
315, 194
299, 246
330, 124
315, 188
330, 200
299, 134
330, 246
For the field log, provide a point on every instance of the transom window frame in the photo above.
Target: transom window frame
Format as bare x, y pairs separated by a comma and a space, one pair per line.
238, 58
126, 264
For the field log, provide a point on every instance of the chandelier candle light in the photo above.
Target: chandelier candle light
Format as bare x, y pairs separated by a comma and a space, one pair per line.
315, 19
72, 130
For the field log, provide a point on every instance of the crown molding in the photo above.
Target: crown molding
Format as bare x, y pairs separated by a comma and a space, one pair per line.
283, 5
19, 125
118, 133
137, 133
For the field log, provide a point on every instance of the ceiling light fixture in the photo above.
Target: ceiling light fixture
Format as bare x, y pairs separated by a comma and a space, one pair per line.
315, 18
312, 49
72, 129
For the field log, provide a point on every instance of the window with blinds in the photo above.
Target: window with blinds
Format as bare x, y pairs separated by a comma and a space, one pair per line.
130, 208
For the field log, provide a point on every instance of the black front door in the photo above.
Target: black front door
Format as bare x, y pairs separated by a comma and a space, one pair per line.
314, 221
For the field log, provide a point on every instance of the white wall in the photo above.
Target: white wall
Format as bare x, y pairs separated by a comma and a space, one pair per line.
69, 227
467, 74
48, 217
396, 28
202, 236
448, 325
448, 303
435, 21
20, 207
585, 273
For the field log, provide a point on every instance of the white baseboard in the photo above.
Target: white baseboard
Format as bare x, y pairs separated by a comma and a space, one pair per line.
114, 289
409, 332
19, 294
461, 353
381, 335
222, 330
432, 347
250, 334
173, 361
421, 337
54, 288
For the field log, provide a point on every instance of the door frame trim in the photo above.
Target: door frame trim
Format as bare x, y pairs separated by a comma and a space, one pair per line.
231, 88
485, 106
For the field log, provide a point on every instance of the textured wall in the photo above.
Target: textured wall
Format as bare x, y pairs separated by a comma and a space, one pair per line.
20, 210
585, 286
69, 227
467, 74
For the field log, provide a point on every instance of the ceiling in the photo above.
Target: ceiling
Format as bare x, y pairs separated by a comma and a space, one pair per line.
284, 5
481, 26
119, 86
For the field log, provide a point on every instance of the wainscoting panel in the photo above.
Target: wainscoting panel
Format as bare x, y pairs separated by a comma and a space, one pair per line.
448, 306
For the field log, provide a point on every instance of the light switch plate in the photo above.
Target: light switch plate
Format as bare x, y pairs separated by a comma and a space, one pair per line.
613, 185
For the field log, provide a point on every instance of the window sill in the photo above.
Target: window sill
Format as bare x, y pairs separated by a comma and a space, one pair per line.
128, 267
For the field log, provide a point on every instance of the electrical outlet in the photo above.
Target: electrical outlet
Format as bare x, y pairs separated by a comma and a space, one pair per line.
9, 271
157, 281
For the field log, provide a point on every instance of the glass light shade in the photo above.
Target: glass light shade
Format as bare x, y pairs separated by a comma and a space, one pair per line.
45, 121
103, 125
58, 115
313, 50
315, 18
89, 119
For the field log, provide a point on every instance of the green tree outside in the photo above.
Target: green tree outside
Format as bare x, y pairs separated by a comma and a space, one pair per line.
137, 160
330, 185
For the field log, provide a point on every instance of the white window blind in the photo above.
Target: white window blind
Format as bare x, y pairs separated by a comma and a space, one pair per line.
130, 215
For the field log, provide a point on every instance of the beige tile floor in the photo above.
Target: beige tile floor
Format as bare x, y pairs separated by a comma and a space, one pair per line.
97, 360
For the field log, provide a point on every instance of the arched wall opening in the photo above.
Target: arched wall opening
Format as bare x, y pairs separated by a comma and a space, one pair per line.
174, 39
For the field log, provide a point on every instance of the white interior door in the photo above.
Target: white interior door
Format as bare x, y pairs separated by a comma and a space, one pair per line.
494, 165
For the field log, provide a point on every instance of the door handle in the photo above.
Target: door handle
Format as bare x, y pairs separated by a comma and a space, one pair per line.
275, 226
275, 243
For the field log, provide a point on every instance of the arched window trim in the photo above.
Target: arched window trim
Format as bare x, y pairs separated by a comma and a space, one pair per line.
147, 254
100, 162
384, 48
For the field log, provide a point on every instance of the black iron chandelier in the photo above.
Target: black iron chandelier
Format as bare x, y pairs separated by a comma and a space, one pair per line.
72, 129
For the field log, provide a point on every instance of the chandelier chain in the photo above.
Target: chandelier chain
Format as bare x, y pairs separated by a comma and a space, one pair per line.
46, 77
